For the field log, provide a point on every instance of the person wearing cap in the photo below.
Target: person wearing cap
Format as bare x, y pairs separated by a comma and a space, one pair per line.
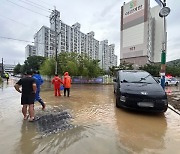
67, 83
27, 91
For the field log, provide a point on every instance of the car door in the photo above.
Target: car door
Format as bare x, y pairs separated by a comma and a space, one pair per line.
173, 81
115, 82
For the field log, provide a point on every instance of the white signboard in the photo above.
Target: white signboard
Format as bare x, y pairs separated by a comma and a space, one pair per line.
133, 7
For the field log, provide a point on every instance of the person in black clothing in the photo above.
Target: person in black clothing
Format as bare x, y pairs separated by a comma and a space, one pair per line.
28, 91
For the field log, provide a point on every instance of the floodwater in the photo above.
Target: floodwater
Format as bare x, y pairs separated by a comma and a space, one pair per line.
99, 127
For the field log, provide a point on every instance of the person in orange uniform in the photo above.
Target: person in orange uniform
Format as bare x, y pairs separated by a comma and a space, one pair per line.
57, 82
67, 83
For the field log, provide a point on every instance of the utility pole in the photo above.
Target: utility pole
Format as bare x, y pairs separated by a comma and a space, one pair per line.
2, 68
163, 13
54, 17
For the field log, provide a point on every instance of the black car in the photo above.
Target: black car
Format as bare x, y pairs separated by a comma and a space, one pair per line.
136, 89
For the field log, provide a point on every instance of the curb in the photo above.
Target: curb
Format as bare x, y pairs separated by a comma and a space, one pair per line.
173, 109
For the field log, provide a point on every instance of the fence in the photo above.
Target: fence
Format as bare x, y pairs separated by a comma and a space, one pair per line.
83, 80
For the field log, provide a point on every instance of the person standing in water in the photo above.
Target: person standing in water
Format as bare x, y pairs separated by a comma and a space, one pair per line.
67, 83
39, 82
28, 91
57, 83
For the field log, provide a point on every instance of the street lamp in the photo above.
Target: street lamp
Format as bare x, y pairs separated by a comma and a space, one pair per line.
163, 13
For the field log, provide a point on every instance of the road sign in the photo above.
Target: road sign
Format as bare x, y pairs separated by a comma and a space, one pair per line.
159, 2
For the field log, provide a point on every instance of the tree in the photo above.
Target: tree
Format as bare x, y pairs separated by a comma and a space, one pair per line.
126, 66
153, 69
33, 63
17, 69
48, 67
112, 70
76, 64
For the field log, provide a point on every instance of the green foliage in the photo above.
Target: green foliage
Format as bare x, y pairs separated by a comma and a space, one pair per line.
17, 69
0, 79
33, 63
74, 63
174, 70
72, 68
126, 66
174, 63
112, 70
123, 66
153, 69
48, 67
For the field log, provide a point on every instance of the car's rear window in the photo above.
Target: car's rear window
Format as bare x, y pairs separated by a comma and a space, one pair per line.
136, 77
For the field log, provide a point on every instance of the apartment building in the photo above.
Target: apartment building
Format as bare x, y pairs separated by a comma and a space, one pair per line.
30, 50
44, 41
70, 39
106, 55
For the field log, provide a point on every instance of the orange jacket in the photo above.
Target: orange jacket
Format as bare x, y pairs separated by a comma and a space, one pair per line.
67, 80
57, 82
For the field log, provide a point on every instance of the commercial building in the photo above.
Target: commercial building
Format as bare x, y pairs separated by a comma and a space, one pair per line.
157, 33
140, 41
9, 68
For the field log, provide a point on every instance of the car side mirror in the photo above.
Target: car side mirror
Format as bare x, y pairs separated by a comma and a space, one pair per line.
115, 80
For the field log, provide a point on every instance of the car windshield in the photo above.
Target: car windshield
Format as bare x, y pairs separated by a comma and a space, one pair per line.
136, 77
173, 79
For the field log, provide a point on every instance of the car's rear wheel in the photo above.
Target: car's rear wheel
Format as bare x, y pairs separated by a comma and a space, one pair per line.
176, 84
166, 84
118, 102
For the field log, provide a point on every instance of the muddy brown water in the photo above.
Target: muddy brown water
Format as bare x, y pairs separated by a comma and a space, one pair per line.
99, 127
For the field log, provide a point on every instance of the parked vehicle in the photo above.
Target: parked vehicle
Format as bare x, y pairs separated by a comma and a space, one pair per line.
171, 81
136, 89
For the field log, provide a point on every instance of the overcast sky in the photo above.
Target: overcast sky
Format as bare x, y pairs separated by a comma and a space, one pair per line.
100, 16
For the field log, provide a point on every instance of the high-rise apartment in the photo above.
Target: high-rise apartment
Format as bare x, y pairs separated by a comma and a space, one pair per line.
30, 50
71, 39
44, 41
106, 55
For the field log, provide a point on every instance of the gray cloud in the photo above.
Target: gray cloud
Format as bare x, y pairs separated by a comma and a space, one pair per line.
100, 16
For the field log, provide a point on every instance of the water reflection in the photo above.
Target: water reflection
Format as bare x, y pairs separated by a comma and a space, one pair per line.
100, 126
140, 133
27, 141
172, 89
56, 143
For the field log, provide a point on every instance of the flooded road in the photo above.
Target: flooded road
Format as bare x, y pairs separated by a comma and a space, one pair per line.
99, 127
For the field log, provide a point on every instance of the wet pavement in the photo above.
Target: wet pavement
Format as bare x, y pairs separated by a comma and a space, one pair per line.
173, 93
98, 126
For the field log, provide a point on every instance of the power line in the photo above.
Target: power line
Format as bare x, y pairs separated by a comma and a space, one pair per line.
27, 9
13, 20
17, 22
14, 39
35, 6
9, 38
45, 2
39, 5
